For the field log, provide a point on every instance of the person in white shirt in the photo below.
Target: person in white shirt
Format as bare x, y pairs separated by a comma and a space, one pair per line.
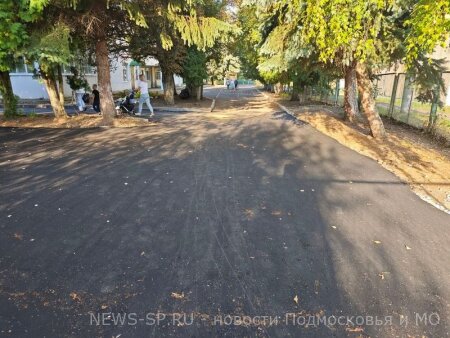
79, 96
145, 97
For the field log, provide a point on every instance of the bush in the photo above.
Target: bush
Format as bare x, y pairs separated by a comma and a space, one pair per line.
77, 81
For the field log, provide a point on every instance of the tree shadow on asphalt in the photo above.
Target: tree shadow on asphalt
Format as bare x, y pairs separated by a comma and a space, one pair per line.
238, 218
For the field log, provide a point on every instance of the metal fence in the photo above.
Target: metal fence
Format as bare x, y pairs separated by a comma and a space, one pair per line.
396, 97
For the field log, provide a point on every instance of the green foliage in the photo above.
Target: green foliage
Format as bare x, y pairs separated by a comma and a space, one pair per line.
246, 48
429, 26
195, 29
77, 81
14, 18
194, 68
428, 79
343, 31
13, 34
221, 62
50, 47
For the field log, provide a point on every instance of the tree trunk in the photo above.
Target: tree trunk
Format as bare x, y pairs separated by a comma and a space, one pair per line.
60, 85
9, 100
168, 84
52, 90
295, 92
104, 80
368, 102
408, 94
302, 94
351, 94
278, 88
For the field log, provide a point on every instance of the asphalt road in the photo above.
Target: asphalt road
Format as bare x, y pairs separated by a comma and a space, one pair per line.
213, 221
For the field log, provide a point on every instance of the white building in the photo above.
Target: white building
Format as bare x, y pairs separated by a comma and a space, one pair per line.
124, 73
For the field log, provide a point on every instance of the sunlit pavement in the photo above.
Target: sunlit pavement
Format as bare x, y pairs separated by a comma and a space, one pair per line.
235, 223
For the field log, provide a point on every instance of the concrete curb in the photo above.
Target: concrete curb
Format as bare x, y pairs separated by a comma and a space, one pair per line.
156, 109
213, 104
283, 108
178, 110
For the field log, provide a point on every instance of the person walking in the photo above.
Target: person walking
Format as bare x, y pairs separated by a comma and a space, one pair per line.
96, 102
236, 82
144, 96
231, 84
79, 93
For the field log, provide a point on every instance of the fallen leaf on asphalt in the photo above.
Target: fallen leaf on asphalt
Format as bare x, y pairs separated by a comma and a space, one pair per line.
104, 307
407, 247
296, 299
177, 295
356, 329
333, 227
316, 287
75, 297
249, 213
382, 274
276, 212
377, 242
18, 236
142, 253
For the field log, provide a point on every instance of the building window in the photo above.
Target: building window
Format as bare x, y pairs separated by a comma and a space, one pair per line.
158, 75
88, 69
21, 66
66, 69
82, 69
125, 74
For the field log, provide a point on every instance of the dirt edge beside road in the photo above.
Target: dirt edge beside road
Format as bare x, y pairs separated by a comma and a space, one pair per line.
426, 170
81, 121
415, 160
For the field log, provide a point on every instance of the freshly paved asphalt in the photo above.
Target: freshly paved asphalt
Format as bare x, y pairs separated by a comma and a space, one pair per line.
240, 212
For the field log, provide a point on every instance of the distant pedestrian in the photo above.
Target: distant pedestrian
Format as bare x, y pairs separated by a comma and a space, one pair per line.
79, 94
228, 84
96, 102
145, 97
231, 84
236, 82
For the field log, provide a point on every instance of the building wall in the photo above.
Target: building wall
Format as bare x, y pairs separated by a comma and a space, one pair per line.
26, 87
